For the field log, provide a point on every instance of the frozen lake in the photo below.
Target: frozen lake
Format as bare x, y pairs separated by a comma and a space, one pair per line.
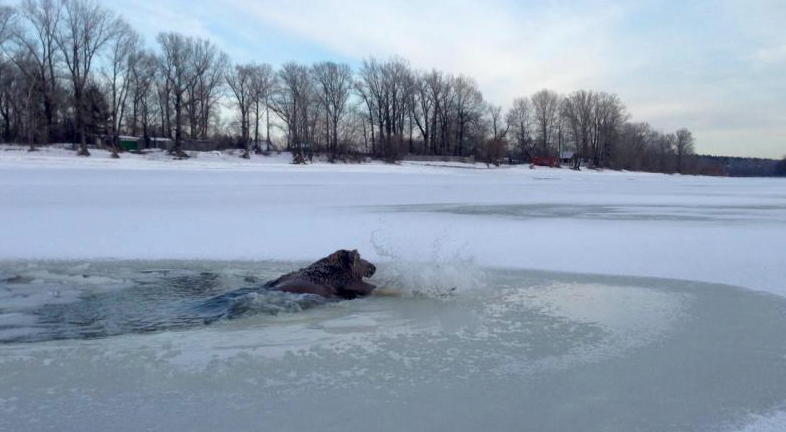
718, 230
513, 299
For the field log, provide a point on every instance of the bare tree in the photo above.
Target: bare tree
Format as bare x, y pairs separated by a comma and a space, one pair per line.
545, 107
519, 118
632, 153
263, 85
397, 79
143, 67
608, 116
436, 86
422, 108
369, 86
8, 26
498, 130
122, 49
292, 103
37, 43
241, 83
208, 67
334, 82
577, 109
179, 73
18, 98
8, 77
468, 109
664, 151
8, 73
7, 15
85, 29
387, 90
445, 111
684, 146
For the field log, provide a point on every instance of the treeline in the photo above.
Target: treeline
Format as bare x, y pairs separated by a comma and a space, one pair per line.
74, 71
740, 166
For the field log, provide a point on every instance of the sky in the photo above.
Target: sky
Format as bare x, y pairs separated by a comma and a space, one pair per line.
716, 67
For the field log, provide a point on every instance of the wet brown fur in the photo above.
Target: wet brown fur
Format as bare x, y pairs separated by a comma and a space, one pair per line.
338, 275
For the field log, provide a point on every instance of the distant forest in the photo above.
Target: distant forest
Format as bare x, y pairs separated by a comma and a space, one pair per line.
740, 167
75, 71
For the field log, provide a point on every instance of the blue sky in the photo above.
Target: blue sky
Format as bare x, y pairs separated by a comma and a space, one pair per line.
715, 67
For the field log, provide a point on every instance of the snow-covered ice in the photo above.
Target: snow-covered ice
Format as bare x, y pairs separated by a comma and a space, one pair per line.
512, 298
719, 230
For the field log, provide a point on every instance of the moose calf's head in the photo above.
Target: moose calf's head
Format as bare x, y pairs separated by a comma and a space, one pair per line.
351, 260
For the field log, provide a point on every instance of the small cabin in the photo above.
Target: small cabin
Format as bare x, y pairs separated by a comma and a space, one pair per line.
544, 161
128, 143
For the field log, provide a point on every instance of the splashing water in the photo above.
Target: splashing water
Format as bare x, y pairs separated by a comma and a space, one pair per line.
441, 272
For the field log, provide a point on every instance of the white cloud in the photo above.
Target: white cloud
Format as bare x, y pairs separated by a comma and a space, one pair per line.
713, 66
151, 18
495, 42
772, 54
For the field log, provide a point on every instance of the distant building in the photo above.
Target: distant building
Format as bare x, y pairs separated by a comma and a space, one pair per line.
128, 143
544, 161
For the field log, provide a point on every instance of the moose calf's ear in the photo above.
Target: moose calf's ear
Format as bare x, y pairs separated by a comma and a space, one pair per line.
338, 256
346, 257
